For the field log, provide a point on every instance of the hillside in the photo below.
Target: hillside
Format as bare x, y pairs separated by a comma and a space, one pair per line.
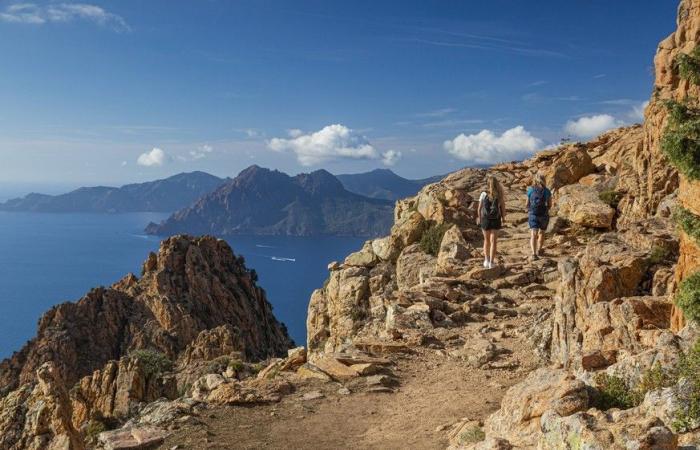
167, 195
384, 184
262, 201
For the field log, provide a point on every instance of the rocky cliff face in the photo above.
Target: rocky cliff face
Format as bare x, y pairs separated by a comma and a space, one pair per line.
195, 301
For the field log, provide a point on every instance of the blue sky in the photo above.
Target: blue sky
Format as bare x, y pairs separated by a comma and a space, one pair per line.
118, 91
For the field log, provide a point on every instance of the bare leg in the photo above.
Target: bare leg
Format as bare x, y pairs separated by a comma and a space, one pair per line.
533, 241
540, 241
494, 246
486, 244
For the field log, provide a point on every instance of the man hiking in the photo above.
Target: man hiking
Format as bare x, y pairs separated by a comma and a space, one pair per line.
539, 201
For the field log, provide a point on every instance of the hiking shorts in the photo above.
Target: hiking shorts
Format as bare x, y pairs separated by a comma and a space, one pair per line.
537, 222
490, 224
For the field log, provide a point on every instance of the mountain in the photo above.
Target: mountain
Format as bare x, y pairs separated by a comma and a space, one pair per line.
263, 201
167, 195
384, 184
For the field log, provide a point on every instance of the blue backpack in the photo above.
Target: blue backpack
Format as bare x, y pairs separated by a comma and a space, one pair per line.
538, 202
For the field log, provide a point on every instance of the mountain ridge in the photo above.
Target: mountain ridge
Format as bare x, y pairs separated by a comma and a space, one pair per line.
384, 184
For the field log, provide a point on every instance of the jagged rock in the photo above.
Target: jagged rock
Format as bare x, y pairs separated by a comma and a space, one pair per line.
416, 316
570, 165
134, 438
211, 344
485, 274
410, 230
387, 248
409, 265
519, 418
454, 251
334, 368
580, 205
309, 371
477, 352
364, 258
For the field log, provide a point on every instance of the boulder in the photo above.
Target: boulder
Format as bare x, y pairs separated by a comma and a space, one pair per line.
410, 230
522, 408
387, 248
454, 251
133, 438
363, 258
334, 368
409, 265
580, 205
570, 165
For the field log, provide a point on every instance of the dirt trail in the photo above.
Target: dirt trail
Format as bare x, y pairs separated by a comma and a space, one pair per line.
436, 390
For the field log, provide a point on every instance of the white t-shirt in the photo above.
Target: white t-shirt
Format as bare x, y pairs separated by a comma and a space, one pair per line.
482, 196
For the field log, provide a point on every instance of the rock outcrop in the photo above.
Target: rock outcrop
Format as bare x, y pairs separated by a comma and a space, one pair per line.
113, 349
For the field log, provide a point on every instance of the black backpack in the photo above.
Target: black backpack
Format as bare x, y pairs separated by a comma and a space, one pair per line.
491, 210
538, 202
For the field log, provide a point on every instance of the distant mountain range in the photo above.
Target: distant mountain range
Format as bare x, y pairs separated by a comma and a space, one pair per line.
384, 184
263, 201
165, 195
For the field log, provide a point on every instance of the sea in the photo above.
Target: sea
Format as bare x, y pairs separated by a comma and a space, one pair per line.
46, 259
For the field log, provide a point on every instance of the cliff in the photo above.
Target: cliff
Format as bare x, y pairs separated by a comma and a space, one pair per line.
262, 201
103, 355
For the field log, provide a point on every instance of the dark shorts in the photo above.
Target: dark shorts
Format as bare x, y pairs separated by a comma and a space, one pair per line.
537, 222
490, 224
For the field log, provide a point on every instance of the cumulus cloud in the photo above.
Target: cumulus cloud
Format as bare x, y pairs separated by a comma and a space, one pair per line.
201, 152
34, 14
330, 143
588, 127
391, 157
486, 147
154, 158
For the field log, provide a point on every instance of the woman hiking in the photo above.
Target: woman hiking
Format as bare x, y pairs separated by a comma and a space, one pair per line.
490, 214
539, 201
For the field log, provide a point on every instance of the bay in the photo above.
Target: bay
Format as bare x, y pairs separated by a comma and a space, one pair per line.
46, 259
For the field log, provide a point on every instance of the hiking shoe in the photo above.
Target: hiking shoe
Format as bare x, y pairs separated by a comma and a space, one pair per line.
490, 265
486, 263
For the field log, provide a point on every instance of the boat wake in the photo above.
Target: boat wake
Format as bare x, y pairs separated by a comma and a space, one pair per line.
279, 258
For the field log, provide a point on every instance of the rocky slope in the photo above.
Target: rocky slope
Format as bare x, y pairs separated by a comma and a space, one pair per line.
384, 184
141, 339
262, 201
165, 195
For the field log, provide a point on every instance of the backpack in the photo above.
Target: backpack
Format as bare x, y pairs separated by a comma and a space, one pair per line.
538, 202
491, 209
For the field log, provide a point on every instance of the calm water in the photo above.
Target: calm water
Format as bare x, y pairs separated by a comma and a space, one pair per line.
46, 259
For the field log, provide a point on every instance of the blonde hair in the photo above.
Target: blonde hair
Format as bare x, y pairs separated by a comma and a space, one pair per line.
538, 180
496, 192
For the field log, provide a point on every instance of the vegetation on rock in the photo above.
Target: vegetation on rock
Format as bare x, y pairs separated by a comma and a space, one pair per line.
681, 139
688, 222
689, 394
611, 197
432, 238
154, 363
688, 297
472, 435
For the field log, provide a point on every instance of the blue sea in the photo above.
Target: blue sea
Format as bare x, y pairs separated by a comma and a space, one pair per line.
47, 259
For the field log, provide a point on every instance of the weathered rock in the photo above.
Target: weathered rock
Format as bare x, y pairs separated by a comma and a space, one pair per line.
454, 251
580, 205
519, 418
334, 368
570, 165
309, 371
364, 258
409, 265
387, 248
133, 438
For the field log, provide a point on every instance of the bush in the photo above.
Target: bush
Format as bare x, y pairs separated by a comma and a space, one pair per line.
472, 435
94, 428
612, 198
432, 238
681, 144
613, 392
154, 362
689, 65
688, 222
689, 396
658, 255
688, 297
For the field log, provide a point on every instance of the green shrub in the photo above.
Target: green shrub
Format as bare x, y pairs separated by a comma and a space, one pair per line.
432, 238
154, 362
654, 379
688, 222
612, 198
688, 297
681, 144
658, 255
472, 435
94, 428
689, 65
613, 392
689, 396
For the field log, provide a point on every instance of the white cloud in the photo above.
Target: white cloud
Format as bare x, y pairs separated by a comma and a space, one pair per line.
124, 163
155, 157
391, 157
588, 127
201, 152
486, 147
330, 143
637, 113
34, 14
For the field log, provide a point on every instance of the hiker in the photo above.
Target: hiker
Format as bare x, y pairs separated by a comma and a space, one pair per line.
490, 213
539, 201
